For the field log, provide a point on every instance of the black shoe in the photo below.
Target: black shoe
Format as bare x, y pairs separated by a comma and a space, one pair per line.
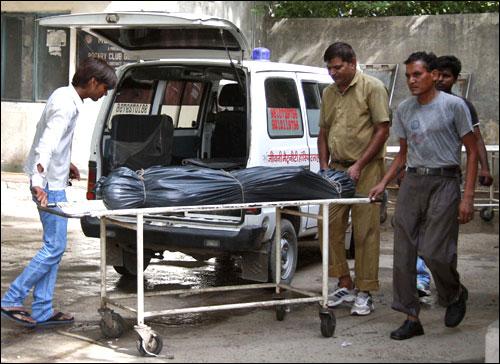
456, 311
408, 330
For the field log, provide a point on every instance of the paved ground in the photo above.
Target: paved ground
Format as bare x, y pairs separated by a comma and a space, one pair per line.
245, 335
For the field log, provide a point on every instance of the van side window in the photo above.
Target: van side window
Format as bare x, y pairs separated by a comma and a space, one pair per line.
313, 102
284, 119
181, 101
322, 87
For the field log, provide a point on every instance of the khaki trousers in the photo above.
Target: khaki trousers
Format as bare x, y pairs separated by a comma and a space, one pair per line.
366, 229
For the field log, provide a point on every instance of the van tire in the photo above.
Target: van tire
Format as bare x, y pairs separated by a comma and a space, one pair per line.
288, 251
129, 267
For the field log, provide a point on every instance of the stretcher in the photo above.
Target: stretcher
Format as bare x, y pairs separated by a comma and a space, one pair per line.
150, 342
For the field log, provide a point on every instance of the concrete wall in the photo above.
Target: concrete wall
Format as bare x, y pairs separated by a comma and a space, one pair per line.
471, 37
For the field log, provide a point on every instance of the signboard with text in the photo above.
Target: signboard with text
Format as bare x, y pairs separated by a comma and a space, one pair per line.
90, 46
284, 122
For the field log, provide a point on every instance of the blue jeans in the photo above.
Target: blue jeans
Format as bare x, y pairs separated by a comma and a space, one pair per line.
423, 275
41, 272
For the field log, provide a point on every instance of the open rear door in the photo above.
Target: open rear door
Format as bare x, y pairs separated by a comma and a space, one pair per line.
156, 35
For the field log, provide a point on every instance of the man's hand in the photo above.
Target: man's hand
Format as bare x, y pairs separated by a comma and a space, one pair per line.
354, 172
376, 191
322, 172
465, 211
40, 195
74, 173
485, 178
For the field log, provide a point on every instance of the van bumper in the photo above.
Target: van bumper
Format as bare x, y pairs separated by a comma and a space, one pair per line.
248, 238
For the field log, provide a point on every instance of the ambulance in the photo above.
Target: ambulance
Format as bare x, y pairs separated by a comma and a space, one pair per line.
197, 95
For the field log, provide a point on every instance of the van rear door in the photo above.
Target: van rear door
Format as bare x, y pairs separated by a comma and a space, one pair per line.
156, 35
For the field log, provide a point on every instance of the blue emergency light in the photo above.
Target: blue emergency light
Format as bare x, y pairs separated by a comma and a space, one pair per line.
261, 54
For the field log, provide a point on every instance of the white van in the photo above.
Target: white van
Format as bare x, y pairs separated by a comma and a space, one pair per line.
195, 97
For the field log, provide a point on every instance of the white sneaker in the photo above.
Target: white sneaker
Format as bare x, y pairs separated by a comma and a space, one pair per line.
363, 305
340, 295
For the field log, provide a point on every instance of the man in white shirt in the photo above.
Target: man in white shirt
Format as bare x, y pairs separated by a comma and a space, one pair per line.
49, 167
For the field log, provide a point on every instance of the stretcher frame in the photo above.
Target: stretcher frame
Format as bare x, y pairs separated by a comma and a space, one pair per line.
146, 334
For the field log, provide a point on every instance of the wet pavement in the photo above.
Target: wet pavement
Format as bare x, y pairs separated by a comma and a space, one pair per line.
242, 335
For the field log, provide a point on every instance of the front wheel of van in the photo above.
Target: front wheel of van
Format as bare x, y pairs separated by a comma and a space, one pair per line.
288, 253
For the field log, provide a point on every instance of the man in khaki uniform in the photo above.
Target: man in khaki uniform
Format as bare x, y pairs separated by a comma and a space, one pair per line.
354, 126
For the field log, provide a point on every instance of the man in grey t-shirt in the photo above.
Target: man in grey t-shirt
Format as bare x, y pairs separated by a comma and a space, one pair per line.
431, 127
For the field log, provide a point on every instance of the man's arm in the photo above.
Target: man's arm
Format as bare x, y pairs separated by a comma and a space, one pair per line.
380, 135
323, 152
57, 122
466, 208
397, 165
485, 177
74, 172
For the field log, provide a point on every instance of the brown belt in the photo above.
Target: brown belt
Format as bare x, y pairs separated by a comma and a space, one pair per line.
344, 163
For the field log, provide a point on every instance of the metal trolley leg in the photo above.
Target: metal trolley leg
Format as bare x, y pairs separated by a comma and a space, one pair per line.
149, 341
112, 324
103, 262
326, 315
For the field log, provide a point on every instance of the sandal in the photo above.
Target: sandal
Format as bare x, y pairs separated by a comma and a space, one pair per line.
59, 318
19, 316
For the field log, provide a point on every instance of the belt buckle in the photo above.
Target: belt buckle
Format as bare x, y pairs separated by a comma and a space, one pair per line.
422, 171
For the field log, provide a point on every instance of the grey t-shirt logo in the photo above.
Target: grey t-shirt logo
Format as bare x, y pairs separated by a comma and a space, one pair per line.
415, 124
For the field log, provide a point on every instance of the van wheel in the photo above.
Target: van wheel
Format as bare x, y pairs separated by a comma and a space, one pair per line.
129, 267
288, 253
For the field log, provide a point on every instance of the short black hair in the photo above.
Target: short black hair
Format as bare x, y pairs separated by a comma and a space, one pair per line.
449, 62
341, 50
429, 59
97, 68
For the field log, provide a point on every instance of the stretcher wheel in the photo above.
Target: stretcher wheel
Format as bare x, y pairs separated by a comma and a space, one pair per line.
154, 345
487, 213
328, 323
280, 313
117, 326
